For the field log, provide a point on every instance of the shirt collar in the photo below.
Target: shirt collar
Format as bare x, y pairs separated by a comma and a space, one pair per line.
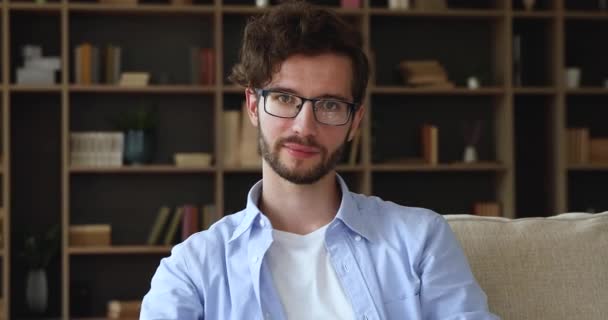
348, 212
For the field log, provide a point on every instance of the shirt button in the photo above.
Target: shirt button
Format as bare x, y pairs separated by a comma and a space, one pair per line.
358, 238
262, 223
254, 260
345, 267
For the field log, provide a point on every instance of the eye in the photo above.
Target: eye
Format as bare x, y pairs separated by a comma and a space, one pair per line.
285, 98
329, 105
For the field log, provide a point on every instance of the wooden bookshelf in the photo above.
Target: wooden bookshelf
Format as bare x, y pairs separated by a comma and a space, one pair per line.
151, 89
142, 169
468, 41
588, 167
119, 250
454, 167
400, 90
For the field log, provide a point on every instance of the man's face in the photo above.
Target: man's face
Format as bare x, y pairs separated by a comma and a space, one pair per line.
302, 150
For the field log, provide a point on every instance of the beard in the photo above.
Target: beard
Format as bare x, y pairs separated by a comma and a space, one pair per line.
309, 176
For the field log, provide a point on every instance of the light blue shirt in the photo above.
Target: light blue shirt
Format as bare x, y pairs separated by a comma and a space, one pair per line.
393, 262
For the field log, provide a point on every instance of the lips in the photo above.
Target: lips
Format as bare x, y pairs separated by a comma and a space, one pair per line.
301, 151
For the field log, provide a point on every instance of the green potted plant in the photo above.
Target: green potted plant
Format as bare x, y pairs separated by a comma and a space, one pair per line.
38, 250
139, 127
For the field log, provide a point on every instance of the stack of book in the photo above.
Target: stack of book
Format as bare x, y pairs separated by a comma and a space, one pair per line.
202, 66
487, 209
88, 64
578, 145
90, 235
188, 218
425, 73
125, 309
430, 144
96, 149
36, 68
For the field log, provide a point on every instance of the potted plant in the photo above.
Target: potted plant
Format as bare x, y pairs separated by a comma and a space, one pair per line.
139, 127
38, 250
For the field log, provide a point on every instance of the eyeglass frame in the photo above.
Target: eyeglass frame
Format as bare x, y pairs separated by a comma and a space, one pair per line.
352, 106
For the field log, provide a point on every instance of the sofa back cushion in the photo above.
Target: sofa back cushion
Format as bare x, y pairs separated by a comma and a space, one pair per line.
539, 268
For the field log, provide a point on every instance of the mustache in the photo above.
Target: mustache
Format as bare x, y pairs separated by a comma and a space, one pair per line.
306, 141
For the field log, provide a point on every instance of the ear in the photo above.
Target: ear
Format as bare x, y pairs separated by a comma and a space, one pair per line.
357, 117
252, 103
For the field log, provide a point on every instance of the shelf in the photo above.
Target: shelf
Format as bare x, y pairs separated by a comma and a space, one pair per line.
34, 7
455, 13
147, 169
586, 15
152, 89
588, 167
34, 88
455, 167
233, 89
110, 250
538, 14
141, 8
535, 90
483, 91
588, 91
248, 9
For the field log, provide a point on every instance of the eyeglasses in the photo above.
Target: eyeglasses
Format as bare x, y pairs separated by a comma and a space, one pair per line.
287, 105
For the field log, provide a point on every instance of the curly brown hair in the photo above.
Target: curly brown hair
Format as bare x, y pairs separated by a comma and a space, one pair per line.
297, 27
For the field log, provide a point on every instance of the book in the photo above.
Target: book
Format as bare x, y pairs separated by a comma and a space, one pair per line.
90, 235
430, 142
209, 216
249, 141
350, 4
487, 209
173, 226
134, 79
354, 148
598, 150
230, 122
126, 309
192, 159
190, 221
161, 220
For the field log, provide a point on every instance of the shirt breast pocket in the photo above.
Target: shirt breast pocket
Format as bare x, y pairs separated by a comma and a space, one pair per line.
403, 306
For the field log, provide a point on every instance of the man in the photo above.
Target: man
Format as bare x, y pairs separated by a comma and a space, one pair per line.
305, 247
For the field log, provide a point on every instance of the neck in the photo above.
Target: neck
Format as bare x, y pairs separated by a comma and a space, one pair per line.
295, 208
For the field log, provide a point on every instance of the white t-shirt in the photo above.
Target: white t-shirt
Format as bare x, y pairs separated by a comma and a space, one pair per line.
304, 277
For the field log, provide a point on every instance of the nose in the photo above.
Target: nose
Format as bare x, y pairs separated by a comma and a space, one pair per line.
304, 124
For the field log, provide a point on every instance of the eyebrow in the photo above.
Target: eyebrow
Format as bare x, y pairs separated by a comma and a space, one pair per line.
325, 96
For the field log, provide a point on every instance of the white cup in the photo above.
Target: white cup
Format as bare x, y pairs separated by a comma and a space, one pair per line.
573, 77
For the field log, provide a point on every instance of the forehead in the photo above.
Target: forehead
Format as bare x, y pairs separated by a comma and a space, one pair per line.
316, 75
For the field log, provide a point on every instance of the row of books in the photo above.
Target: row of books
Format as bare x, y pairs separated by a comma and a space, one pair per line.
93, 67
202, 66
582, 148
425, 73
187, 218
95, 149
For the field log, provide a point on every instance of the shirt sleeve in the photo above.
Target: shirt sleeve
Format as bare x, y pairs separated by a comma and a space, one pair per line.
448, 289
173, 294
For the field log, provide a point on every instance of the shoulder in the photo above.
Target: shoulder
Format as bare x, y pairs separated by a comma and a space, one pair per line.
390, 220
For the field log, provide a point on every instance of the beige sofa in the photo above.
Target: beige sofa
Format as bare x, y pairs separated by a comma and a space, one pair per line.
539, 268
